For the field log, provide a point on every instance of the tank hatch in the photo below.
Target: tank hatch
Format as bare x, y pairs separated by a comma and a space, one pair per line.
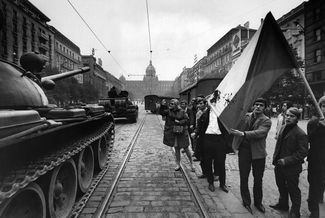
17, 91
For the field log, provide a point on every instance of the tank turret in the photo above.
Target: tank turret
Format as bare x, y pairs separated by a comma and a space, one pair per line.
23, 87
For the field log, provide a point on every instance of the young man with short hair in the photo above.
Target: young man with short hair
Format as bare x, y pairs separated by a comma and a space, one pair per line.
290, 150
250, 142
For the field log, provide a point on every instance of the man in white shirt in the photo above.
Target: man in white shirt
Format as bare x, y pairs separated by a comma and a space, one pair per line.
213, 138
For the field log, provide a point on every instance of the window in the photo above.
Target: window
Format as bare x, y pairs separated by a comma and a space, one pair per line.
317, 76
317, 35
317, 13
318, 56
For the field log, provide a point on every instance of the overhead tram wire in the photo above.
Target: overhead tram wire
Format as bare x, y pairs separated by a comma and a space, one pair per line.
149, 29
109, 52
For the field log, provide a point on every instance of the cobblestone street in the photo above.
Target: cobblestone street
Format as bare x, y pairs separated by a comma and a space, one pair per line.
150, 187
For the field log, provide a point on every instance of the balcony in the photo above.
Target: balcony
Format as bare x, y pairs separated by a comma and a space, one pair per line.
44, 36
44, 46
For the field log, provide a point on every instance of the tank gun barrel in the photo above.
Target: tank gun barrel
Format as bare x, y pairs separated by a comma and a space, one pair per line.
60, 76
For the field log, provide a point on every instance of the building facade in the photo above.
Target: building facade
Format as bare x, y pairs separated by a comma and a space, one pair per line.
315, 45
96, 77
67, 55
222, 55
219, 59
292, 26
99, 78
197, 71
24, 29
149, 85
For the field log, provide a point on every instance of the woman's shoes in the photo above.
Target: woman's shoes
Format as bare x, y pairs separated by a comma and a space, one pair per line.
178, 168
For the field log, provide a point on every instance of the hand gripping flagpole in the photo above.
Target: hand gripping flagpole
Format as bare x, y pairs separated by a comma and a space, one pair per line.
320, 113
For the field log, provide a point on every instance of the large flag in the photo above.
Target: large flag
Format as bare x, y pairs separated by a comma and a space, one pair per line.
265, 59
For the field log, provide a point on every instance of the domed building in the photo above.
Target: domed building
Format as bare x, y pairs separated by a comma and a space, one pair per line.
149, 85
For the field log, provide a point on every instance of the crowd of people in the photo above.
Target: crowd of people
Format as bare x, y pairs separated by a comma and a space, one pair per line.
198, 125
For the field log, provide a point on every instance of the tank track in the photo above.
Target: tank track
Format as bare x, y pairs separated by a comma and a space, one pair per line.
20, 178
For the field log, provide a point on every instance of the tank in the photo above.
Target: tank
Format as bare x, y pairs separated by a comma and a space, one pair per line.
120, 106
48, 155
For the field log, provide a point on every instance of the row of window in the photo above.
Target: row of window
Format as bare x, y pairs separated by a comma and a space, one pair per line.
220, 51
65, 50
24, 26
64, 62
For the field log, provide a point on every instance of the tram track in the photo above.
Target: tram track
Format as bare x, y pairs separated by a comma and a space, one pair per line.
109, 194
82, 202
195, 194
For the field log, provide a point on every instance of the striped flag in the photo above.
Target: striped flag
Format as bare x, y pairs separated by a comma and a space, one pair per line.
265, 59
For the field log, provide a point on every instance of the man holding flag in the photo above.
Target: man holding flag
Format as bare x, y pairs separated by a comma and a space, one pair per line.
252, 153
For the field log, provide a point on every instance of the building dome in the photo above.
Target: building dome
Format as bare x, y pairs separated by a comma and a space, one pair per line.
150, 71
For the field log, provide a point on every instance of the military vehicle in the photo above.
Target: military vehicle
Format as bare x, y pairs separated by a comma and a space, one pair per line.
121, 106
47, 154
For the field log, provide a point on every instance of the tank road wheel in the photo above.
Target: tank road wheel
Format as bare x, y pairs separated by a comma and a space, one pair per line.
101, 151
28, 202
110, 137
62, 190
85, 168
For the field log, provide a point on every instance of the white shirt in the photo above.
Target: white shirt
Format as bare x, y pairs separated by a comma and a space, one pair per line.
213, 127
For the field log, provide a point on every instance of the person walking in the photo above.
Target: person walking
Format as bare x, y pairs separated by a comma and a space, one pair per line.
250, 143
175, 131
290, 150
316, 161
213, 136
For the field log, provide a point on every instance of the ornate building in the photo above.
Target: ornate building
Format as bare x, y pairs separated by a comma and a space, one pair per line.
315, 45
149, 85
24, 28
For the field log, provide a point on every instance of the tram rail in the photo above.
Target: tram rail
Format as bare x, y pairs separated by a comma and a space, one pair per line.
109, 194
195, 194
81, 203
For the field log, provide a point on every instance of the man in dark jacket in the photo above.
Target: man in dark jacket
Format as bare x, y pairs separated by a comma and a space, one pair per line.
316, 161
290, 150
251, 146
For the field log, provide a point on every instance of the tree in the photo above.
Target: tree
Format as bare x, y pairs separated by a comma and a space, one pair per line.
289, 86
69, 91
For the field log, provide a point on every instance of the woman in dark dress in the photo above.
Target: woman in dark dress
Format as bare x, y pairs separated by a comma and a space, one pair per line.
175, 116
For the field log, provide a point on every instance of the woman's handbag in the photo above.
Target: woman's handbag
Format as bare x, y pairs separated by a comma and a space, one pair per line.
178, 129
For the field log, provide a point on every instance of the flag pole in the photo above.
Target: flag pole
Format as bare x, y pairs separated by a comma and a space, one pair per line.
320, 113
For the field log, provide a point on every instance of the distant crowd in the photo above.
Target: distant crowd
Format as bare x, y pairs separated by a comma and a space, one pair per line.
197, 125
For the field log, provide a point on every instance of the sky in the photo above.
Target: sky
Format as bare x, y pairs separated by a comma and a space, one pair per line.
179, 29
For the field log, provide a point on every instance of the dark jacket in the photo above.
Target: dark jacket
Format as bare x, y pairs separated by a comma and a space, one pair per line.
191, 112
169, 136
256, 136
316, 136
202, 126
293, 147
